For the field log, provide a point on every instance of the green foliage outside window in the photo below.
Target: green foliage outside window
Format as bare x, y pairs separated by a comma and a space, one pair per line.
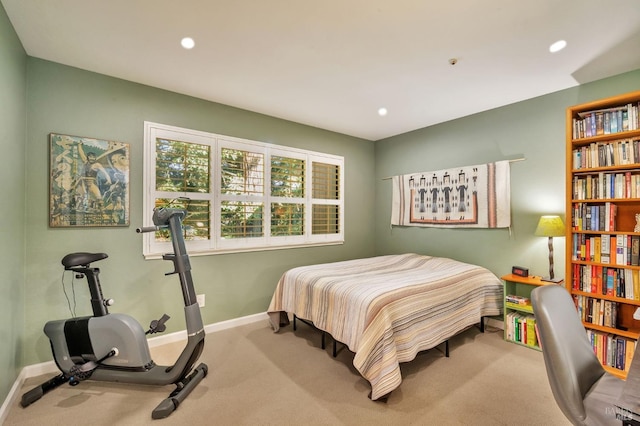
287, 177
287, 219
241, 219
182, 166
248, 203
242, 172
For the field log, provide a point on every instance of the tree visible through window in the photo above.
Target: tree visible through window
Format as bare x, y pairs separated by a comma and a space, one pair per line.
287, 181
241, 194
183, 167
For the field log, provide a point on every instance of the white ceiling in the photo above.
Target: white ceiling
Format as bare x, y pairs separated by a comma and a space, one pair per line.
333, 63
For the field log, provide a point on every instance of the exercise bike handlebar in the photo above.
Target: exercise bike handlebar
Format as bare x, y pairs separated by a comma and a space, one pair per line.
144, 229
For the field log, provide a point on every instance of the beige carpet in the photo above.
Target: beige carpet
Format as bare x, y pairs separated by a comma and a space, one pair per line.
257, 377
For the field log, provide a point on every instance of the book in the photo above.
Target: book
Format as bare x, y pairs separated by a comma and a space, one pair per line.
610, 282
601, 308
621, 242
531, 331
597, 249
630, 350
628, 284
605, 249
620, 354
635, 250
607, 314
518, 300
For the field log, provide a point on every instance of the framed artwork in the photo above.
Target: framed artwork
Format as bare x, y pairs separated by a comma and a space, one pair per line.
89, 182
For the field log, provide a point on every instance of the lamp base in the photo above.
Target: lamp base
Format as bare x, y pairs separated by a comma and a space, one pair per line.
552, 280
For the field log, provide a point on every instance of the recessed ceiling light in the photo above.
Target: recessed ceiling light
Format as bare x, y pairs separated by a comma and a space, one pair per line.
557, 46
187, 43
382, 112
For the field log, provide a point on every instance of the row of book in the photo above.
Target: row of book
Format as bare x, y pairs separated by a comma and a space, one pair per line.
517, 300
597, 311
607, 281
620, 249
606, 154
594, 217
521, 328
606, 121
605, 186
611, 350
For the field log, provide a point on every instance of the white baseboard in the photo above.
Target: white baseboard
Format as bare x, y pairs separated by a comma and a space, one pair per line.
13, 394
50, 367
208, 329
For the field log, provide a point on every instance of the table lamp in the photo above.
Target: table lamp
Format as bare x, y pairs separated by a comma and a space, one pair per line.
550, 226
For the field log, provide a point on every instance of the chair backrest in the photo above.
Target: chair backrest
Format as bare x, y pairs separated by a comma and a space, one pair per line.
572, 367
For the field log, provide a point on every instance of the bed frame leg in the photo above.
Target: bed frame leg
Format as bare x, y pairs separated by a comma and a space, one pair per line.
446, 348
323, 337
481, 324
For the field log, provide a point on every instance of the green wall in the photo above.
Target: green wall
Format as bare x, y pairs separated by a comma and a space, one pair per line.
13, 63
533, 130
71, 101
39, 97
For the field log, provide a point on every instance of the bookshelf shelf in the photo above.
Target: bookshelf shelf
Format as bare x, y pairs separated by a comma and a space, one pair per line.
603, 199
608, 200
607, 297
512, 306
605, 137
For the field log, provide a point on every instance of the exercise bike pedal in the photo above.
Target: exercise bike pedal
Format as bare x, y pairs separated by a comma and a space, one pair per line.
80, 372
157, 326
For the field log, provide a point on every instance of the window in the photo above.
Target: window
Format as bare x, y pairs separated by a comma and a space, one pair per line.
241, 195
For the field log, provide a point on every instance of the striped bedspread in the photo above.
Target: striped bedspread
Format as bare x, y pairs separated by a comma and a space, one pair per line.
386, 309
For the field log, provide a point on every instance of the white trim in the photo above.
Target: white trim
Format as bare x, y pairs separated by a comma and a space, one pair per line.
208, 329
12, 396
50, 367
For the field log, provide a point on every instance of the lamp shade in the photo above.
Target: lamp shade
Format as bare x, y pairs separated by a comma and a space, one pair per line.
550, 226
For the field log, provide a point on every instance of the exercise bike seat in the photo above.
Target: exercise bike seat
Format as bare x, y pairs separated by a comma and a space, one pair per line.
81, 259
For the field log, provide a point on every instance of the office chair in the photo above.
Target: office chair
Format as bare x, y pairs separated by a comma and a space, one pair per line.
583, 390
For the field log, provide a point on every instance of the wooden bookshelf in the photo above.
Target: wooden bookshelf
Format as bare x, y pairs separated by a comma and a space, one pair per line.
519, 315
602, 201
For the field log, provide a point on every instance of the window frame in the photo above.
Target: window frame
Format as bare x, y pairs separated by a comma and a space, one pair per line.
215, 244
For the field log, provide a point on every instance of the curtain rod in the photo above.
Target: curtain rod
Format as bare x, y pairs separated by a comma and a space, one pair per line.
511, 161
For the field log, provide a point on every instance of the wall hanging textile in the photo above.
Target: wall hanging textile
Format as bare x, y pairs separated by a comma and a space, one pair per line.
470, 197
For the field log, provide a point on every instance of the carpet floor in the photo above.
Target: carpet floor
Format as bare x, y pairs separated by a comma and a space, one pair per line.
257, 377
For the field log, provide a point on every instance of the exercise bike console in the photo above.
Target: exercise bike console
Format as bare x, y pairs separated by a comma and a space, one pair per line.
113, 347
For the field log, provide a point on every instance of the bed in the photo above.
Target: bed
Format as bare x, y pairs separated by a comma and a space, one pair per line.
386, 309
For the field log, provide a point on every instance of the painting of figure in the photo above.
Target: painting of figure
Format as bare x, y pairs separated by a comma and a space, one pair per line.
89, 182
